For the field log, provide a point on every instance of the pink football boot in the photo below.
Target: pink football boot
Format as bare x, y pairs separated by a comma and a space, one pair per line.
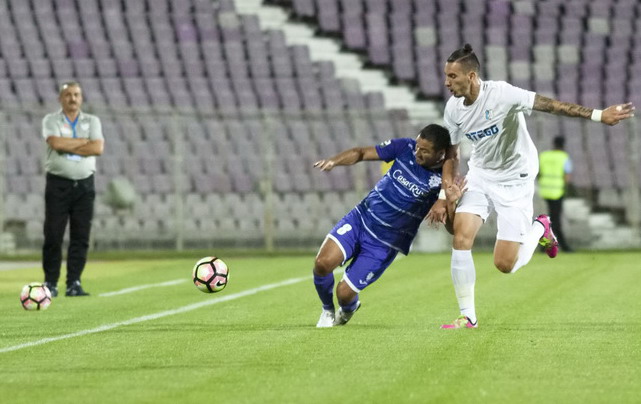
548, 240
461, 322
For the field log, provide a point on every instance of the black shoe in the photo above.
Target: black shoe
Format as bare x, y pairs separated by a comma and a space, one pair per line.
53, 288
75, 290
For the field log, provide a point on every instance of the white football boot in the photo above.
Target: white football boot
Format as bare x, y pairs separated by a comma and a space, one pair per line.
326, 319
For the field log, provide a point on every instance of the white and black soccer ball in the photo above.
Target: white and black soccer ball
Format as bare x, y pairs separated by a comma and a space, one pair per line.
210, 274
35, 296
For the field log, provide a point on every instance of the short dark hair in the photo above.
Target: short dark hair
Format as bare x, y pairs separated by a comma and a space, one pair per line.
436, 134
559, 141
466, 57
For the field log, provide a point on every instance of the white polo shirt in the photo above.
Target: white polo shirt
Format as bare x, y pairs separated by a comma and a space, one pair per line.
67, 165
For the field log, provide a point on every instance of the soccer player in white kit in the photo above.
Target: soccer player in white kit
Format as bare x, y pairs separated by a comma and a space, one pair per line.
502, 169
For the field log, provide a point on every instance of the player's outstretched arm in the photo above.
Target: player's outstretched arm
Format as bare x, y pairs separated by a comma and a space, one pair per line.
609, 116
348, 157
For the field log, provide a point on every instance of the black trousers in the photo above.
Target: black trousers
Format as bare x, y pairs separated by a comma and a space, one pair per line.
67, 201
555, 208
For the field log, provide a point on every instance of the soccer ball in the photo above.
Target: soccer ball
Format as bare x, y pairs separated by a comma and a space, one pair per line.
35, 296
210, 274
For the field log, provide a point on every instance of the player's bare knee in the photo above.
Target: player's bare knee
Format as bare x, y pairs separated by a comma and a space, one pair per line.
504, 265
323, 266
462, 242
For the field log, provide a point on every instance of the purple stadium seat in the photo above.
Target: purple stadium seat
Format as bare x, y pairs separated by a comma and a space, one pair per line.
40, 68
600, 9
354, 31
375, 101
328, 15
128, 67
430, 82
497, 36
624, 9
576, 9
186, 32
282, 66
352, 7
251, 28
548, 8
326, 69
100, 49
47, 90
304, 8
62, 69
106, 67
310, 95
78, 49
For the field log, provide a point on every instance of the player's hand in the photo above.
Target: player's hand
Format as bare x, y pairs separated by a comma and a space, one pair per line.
325, 165
455, 190
437, 214
616, 113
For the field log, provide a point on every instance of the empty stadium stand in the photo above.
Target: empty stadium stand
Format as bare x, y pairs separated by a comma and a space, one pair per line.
199, 102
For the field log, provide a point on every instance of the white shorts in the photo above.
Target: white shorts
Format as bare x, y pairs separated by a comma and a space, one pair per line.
512, 203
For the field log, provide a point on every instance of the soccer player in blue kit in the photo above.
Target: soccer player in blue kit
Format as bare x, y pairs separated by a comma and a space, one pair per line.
385, 222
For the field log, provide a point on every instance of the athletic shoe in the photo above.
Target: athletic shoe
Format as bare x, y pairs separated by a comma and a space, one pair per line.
548, 240
326, 319
52, 288
75, 290
342, 317
461, 322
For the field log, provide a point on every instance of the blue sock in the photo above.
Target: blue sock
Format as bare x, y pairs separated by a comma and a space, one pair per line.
325, 288
351, 306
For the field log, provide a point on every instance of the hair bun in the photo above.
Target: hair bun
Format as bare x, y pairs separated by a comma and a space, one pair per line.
468, 48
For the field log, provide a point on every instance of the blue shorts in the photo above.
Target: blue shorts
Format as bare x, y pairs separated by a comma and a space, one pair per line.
370, 257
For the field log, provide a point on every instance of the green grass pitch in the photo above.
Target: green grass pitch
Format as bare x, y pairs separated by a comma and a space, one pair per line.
566, 330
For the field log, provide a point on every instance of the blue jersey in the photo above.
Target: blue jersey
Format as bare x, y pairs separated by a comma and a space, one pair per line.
393, 211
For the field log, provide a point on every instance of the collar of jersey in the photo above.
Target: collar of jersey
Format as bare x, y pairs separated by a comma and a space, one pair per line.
62, 114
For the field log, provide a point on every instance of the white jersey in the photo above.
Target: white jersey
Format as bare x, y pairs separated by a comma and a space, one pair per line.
502, 148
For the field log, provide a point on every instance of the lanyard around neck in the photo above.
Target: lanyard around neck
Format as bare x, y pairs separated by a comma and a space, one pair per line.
73, 124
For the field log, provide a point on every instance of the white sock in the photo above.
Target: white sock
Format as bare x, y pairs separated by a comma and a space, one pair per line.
529, 245
463, 277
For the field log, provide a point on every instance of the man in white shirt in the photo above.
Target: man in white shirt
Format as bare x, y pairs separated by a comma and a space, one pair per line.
502, 169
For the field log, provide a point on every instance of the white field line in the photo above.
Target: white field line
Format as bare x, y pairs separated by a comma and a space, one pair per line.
11, 265
136, 320
141, 287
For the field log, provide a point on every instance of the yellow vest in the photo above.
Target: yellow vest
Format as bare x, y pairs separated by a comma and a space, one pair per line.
386, 166
552, 173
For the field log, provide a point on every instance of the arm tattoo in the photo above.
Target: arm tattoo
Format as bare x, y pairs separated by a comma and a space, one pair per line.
546, 104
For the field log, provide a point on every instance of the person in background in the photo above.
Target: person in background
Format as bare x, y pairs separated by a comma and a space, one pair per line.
73, 139
385, 166
555, 168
